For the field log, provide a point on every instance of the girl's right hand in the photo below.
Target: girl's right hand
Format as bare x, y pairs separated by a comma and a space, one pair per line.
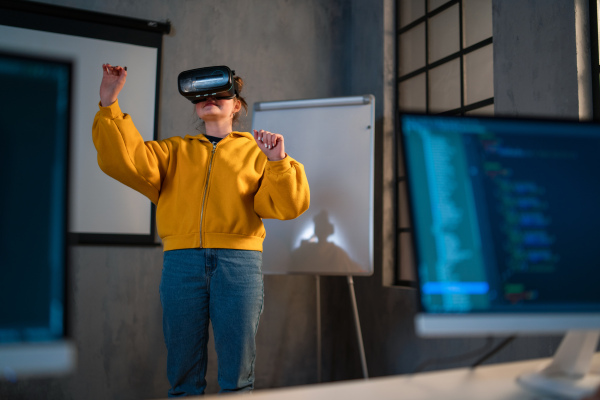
113, 79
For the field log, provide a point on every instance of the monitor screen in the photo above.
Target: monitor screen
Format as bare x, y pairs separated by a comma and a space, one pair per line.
504, 215
34, 128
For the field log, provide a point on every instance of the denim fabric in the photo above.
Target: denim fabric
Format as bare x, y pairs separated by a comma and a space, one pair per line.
225, 286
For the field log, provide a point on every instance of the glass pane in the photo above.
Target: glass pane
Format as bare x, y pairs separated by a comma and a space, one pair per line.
487, 110
433, 4
406, 259
444, 34
477, 21
411, 94
410, 10
444, 87
479, 75
412, 50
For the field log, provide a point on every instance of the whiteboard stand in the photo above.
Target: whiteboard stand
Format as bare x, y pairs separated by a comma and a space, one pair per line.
319, 336
361, 346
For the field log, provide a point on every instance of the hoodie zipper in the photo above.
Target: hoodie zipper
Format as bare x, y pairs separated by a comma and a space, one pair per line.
206, 190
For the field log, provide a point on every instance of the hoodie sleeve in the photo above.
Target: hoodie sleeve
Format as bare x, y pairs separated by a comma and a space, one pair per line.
123, 154
284, 192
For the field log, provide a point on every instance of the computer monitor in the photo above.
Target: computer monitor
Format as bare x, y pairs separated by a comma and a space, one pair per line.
504, 215
35, 111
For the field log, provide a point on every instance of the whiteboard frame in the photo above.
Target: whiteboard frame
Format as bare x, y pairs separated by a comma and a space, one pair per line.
333, 102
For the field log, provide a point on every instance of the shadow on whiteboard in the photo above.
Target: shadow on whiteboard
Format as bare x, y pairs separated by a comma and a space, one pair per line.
318, 254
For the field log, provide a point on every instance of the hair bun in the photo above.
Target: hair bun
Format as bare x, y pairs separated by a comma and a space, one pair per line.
239, 83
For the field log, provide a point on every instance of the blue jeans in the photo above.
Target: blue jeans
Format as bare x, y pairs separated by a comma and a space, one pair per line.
221, 285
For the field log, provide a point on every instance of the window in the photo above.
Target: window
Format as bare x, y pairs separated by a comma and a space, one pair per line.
444, 66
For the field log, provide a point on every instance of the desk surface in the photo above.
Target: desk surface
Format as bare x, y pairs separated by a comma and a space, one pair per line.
496, 381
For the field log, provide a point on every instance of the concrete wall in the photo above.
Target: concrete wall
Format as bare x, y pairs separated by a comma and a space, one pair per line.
535, 62
285, 50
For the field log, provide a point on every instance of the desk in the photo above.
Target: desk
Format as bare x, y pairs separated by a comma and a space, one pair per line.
491, 382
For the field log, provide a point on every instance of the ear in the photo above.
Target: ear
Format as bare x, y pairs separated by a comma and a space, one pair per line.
237, 106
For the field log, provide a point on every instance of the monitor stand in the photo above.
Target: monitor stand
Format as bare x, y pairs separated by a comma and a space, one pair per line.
568, 374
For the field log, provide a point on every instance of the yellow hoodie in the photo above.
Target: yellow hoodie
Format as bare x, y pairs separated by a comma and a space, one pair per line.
212, 196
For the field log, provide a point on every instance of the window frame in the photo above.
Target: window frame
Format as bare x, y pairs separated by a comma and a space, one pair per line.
402, 228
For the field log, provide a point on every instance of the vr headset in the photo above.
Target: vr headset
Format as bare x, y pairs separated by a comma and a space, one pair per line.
197, 84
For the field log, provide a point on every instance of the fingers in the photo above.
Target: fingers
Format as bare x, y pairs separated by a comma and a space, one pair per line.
267, 139
108, 69
264, 138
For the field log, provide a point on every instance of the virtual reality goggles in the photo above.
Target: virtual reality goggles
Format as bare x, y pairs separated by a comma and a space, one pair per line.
198, 84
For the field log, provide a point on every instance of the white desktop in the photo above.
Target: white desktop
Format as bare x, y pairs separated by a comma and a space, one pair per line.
490, 382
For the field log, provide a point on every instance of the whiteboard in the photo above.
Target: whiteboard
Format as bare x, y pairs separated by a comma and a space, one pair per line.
333, 138
99, 204
102, 211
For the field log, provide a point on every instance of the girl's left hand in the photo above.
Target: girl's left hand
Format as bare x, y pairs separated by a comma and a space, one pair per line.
271, 144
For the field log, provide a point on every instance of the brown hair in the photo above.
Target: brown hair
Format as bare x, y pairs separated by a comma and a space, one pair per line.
239, 85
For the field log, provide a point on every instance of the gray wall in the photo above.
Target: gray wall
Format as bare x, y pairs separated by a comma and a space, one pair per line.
289, 50
535, 61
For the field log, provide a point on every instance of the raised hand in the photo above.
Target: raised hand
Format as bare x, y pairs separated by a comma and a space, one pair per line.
113, 79
271, 144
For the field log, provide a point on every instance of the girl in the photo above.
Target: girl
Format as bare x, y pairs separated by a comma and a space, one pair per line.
211, 191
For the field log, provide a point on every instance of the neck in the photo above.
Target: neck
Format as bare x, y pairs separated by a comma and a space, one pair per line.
218, 128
